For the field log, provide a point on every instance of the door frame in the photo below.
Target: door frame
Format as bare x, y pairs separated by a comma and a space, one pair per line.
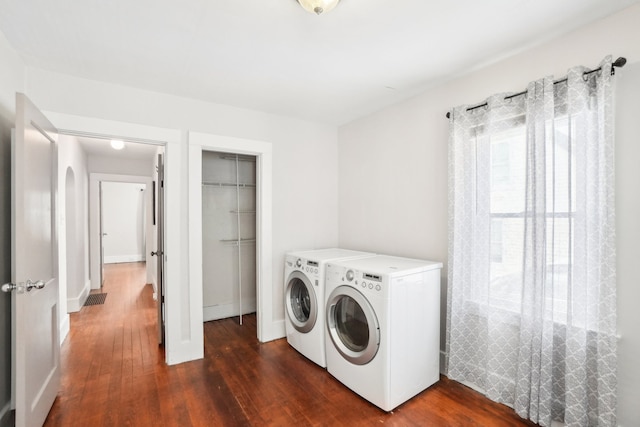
95, 217
267, 328
183, 334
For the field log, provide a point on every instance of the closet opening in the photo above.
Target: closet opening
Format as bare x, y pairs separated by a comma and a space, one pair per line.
228, 235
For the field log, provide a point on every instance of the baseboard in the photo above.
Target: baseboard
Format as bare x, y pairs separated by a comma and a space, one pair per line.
274, 331
5, 415
186, 352
222, 311
443, 362
115, 259
75, 304
64, 327
271, 331
194, 350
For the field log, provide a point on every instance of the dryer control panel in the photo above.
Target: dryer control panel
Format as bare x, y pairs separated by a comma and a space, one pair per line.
360, 279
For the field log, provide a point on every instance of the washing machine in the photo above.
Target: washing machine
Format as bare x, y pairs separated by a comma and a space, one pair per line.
304, 298
383, 326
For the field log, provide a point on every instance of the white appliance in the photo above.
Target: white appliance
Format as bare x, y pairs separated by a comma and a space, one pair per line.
383, 326
304, 297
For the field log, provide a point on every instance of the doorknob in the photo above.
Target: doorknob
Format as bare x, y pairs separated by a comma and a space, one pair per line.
8, 287
156, 253
20, 287
34, 285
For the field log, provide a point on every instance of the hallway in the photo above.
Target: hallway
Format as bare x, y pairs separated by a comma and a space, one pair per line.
114, 374
111, 356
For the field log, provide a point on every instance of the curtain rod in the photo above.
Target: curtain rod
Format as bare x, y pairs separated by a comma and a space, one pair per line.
620, 62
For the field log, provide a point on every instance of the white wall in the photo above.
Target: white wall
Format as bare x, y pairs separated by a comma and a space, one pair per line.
11, 81
119, 166
393, 168
74, 281
123, 221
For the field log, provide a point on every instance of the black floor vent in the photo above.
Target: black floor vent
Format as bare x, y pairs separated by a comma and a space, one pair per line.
95, 299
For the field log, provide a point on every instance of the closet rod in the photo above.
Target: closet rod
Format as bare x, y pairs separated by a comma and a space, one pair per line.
237, 157
236, 241
228, 184
620, 62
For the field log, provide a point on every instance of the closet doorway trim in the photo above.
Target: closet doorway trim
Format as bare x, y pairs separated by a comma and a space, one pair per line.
267, 329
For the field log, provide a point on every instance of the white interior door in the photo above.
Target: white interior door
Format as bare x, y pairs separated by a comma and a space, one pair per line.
35, 259
160, 249
102, 235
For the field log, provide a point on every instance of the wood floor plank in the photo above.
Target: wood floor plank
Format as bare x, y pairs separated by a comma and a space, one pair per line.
114, 374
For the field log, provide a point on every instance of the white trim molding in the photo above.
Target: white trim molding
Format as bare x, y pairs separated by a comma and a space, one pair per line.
183, 337
75, 304
94, 220
268, 329
222, 311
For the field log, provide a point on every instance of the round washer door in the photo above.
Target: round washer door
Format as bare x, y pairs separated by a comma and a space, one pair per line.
301, 303
352, 325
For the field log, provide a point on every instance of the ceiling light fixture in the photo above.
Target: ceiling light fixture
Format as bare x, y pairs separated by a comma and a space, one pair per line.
117, 144
318, 6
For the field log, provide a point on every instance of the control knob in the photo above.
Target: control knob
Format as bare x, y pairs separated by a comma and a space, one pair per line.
349, 275
299, 263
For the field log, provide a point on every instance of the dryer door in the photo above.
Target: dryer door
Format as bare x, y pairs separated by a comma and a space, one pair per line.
352, 325
300, 300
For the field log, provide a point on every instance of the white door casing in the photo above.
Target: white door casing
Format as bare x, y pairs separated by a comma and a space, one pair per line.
183, 326
96, 229
36, 361
159, 252
268, 328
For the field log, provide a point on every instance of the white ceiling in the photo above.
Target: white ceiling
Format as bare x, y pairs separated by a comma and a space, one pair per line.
132, 150
273, 56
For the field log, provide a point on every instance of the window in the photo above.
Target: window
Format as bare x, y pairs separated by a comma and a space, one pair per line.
507, 211
532, 288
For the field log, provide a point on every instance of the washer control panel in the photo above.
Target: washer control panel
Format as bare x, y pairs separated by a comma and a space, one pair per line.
305, 265
311, 267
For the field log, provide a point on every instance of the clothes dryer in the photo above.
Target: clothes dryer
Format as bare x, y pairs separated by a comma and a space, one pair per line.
304, 297
383, 326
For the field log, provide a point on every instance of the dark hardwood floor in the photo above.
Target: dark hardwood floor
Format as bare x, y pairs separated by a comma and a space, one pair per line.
113, 374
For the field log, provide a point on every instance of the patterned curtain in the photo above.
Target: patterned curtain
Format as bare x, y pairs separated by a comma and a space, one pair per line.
531, 315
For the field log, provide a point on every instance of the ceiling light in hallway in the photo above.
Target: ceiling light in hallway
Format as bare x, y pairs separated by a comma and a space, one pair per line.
318, 6
117, 144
